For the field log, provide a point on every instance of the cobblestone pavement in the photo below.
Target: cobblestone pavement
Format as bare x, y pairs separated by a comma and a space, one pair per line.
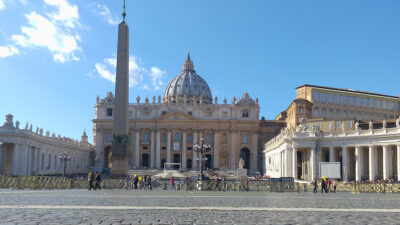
183, 207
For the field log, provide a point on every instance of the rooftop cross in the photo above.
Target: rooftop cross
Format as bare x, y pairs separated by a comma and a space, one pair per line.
124, 12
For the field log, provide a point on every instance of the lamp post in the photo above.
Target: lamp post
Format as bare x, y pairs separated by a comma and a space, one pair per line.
202, 148
65, 157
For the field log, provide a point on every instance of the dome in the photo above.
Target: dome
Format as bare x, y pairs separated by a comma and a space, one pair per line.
188, 87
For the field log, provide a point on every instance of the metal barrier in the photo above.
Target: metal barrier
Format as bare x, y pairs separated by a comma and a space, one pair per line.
44, 182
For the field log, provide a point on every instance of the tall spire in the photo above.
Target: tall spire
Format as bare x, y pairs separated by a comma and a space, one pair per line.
188, 65
124, 12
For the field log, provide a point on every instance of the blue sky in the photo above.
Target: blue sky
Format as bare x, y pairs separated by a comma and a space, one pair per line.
56, 56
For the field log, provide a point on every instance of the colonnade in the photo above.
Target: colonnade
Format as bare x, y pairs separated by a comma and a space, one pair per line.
358, 162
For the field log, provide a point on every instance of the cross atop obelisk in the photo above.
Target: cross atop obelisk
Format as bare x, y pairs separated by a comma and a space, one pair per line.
120, 141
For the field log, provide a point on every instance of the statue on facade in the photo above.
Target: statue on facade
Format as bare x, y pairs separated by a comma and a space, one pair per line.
233, 100
17, 124
153, 99
216, 100
371, 125
241, 163
330, 126
398, 122
159, 99
97, 99
343, 129
9, 121
146, 100
256, 101
185, 99
384, 124
224, 101
41, 131
138, 99
201, 99
47, 133
357, 126
37, 130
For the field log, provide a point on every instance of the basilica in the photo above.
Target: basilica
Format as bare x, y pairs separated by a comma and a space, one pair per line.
164, 129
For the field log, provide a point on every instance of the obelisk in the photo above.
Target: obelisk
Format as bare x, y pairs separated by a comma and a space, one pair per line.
120, 142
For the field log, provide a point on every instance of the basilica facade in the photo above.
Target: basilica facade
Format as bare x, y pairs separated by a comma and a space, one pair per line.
165, 129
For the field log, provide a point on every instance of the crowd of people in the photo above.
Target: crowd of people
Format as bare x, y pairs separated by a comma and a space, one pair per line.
135, 180
326, 185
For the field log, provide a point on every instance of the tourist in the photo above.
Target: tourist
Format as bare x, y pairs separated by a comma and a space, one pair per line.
97, 180
323, 185
172, 186
126, 182
217, 188
246, 184
149, 183
329, 185
334, 186
144, 182
135, 182
91, 179
314, 182
223, 184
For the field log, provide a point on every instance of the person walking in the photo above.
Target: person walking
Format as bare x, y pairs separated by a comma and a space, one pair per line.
328, 182
135, 182
334, 186
315, 184
172, 186
91, 179
97, 179
223, 184
323, 185
246, 185
149, 183
144, 182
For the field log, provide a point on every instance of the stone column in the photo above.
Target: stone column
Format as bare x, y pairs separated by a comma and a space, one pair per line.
194, 156
254, 155
158, 146
216, 150
232, 153
313, 160
294, 162
29, 161
358, 163
385, 162
184, 149
371, 162
288, 164
331, 154
169, 146
137, 152
2, 162
16, 160
152, 146
398, 162
344, 163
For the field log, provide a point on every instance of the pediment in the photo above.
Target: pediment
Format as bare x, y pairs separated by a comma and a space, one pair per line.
176, 115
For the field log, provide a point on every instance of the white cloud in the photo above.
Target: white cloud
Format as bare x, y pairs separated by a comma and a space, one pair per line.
2, 6
54, 30
137, 74
105, 13
156, 76
6, 51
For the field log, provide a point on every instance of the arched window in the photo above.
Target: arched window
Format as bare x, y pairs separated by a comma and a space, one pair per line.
245, 113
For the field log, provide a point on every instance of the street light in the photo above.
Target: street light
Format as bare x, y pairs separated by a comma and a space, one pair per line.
202, 148
65, 157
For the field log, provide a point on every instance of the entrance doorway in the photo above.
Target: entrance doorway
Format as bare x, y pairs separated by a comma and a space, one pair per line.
208, 162
245, 155
177, 159
145, 160
107, 157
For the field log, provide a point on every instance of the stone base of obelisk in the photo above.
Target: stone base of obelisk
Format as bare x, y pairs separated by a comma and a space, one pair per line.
119, 160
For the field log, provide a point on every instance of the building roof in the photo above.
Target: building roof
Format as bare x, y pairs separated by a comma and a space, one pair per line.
348, 90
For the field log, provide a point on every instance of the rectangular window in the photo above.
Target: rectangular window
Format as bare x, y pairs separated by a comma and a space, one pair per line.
371, 103
163, 113
384, 105
163, 148
338, 124
109, 111
190, 113
315, 96
190, 138
164, 138
108, 137
146, 137
245, 138
177, 137
323, 97
365, 102
350, 124
208, 114
245, 113
208, 138
224, 115
338, 99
